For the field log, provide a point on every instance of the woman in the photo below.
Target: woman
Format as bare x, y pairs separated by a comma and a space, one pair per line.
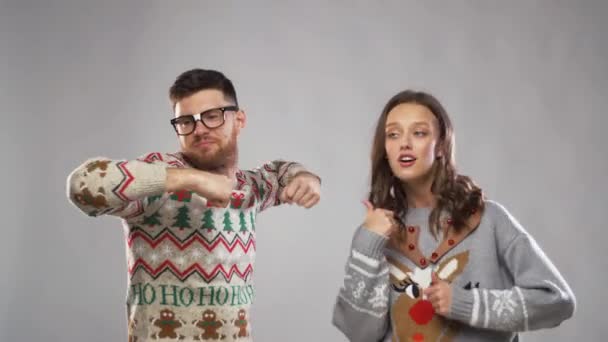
434, 260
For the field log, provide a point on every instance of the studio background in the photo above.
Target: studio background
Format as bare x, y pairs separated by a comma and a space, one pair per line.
524, 82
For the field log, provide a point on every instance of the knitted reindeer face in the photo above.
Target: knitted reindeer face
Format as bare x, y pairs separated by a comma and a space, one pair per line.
413, 317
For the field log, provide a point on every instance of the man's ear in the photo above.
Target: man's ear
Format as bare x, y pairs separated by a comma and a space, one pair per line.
241, 119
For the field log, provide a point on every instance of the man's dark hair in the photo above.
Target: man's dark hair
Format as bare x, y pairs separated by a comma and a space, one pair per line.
195, 80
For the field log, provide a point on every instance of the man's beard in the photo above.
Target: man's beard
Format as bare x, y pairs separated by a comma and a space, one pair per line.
224, 156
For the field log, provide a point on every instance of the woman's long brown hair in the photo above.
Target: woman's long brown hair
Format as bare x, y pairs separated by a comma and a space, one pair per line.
456, 194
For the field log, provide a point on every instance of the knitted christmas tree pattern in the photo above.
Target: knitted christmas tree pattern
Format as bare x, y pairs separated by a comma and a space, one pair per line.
242, 222
208, 222
252, 219
182, 219
152, 220
195, 243
227, 223
152, 199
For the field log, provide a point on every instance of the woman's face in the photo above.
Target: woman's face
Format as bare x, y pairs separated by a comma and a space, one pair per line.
412, 135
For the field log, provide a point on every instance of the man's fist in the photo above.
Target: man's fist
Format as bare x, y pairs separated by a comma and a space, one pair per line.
304, 190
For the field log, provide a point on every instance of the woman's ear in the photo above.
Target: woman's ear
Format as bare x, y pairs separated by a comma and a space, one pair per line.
439, 151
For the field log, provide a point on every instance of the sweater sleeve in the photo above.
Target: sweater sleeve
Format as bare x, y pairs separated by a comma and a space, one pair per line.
361, 309
270, 179
101, 186
540, 297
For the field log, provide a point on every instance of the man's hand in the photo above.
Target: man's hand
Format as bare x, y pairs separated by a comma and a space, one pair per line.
215, 188
304, 190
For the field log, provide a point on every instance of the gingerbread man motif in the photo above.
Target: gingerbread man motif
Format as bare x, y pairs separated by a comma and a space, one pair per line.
210, 325
241, 323
167, 324
131, 330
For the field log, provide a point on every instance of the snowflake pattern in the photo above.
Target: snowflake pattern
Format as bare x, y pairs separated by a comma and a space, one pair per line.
154, 257
167, 251
503, 302
180, 261
379, 299
359, 290
208, 262
219, 256
139, 250
510, 322
196, 253
236, 255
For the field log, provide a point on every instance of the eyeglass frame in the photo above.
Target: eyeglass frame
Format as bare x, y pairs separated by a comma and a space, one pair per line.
199, 117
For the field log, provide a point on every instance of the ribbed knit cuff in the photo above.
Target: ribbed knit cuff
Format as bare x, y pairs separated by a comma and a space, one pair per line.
292, 170
369, 243
464, 304
151, 178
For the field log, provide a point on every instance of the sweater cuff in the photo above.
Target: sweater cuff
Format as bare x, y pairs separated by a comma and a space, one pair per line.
465, 305
369, 243
291, 171
151, 179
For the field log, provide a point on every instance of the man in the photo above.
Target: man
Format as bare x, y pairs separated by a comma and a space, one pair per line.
190, 216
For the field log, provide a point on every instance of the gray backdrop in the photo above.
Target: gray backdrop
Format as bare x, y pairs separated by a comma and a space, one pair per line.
525, 82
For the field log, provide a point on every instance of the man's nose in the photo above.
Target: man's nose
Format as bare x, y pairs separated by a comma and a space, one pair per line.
200, 128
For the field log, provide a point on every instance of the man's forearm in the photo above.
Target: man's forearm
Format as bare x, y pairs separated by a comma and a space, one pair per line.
179, 179
214, 187
101, 185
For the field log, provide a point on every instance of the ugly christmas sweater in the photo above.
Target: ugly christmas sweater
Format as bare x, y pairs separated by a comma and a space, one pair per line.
189, 264
502, 282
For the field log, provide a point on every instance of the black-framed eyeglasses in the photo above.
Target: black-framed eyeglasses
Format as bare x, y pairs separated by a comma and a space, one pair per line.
211, 118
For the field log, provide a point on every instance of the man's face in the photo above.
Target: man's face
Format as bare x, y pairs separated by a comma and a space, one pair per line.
210, 148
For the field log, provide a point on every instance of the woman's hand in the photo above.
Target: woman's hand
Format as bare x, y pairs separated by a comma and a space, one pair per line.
378, 220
